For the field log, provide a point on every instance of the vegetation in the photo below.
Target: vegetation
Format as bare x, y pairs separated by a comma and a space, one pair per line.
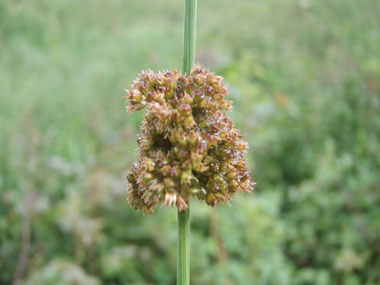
304, 81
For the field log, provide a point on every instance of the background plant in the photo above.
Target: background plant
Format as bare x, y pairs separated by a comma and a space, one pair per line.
304, 80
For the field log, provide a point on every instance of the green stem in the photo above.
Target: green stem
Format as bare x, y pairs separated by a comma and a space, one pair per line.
189, 35
183, 261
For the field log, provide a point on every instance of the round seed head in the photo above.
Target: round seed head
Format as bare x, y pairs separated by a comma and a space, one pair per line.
187, 146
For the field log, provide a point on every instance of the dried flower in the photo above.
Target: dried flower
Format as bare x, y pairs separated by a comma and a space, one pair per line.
187, 146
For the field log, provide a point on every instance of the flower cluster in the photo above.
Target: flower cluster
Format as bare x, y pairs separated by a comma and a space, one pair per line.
187, 146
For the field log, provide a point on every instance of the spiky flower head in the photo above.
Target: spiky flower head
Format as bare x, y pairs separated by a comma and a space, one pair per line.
187, 146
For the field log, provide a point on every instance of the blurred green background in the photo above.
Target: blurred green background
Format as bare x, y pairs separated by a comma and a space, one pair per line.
304, 77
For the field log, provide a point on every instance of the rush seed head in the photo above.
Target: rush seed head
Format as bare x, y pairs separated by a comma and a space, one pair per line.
187, 146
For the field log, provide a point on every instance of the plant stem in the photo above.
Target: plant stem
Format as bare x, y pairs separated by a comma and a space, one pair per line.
183, 259
189, 35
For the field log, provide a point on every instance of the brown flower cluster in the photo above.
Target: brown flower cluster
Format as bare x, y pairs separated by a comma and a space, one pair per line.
187, 146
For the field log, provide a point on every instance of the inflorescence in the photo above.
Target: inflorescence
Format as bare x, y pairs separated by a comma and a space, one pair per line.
187, 146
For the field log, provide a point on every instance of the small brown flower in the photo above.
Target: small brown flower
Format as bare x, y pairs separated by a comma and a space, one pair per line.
187, 146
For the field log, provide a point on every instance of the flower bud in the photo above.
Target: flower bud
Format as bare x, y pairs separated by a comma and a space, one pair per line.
186, 176
211, 199
147, 176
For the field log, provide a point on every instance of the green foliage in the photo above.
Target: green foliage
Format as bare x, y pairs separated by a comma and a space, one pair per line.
304, 80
